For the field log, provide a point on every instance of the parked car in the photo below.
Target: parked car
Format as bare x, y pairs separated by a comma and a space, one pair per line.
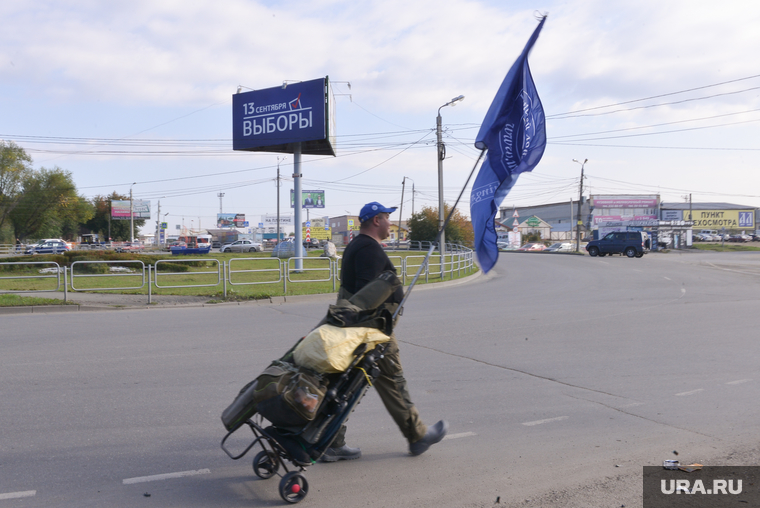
48, 246
560, 247
737, 238
630, 243
130, 247
532, 247
311, 244
242, 246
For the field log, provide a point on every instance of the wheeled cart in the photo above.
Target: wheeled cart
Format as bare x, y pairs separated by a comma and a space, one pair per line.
303, 447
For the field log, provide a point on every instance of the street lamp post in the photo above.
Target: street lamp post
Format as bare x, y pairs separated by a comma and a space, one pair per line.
131, 215
580, 207
441, 156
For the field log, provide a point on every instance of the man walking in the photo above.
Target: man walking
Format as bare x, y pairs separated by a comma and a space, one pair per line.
363, 260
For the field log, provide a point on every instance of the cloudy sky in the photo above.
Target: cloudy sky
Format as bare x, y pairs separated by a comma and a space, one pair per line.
660, 97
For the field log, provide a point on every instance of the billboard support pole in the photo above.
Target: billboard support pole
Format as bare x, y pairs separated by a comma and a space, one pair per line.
297, 203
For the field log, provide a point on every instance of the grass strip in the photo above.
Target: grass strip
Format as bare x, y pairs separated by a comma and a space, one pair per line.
28, 301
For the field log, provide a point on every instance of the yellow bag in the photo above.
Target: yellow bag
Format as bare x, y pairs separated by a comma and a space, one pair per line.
328, 349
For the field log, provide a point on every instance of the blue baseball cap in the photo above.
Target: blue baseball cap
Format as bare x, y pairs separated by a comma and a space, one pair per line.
371, 209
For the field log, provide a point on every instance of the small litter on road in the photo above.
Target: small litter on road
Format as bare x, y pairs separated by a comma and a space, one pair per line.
676, 465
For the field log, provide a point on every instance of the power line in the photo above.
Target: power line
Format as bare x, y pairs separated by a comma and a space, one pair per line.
653, 97
658, 124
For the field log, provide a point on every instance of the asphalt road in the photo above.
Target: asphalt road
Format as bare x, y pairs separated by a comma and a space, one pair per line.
560, 377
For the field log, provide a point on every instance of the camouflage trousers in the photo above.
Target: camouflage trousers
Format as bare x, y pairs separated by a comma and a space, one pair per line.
392, 388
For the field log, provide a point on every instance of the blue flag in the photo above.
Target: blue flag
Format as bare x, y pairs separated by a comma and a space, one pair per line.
514, 132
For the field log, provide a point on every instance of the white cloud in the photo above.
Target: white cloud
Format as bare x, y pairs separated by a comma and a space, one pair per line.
164, 59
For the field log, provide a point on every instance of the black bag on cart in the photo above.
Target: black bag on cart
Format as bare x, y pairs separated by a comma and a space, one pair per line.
285, 394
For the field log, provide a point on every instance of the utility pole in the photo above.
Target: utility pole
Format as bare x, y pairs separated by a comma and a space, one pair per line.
400, 213
690, 206
442, 155
412, 197
158, 222
131, 216
278, 197
220, 196
580, 208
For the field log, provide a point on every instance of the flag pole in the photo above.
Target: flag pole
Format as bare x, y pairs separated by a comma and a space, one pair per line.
438, 237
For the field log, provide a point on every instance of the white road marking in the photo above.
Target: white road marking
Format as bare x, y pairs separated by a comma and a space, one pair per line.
17, 495
166, 476
740, 381
548, 420
684, 394
461, 434
633, 404
666, 278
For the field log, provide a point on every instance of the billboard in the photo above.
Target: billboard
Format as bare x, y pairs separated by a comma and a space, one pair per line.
274, 119
120, 209
230, 220
624, 208
310, 198
718, 219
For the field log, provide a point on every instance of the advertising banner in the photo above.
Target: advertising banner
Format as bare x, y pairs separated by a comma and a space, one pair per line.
598, 219
317, 233
271, 220
273, 119
673, 214
230, 220
318, 222
624, 201
120, 209
310, 198
729, 219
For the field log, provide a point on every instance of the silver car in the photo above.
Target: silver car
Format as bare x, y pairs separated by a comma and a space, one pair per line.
561, 247
242, 246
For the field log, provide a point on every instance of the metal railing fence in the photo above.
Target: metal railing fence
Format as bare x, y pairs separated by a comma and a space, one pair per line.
458, 259
84, 275
217, 272
56, 276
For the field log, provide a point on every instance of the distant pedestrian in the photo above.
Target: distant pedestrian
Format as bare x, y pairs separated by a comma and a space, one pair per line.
18, 245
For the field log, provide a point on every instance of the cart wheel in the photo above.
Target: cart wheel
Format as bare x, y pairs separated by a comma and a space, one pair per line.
293, 487
265, 465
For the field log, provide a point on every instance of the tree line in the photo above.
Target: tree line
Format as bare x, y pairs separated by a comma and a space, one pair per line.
44, 203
